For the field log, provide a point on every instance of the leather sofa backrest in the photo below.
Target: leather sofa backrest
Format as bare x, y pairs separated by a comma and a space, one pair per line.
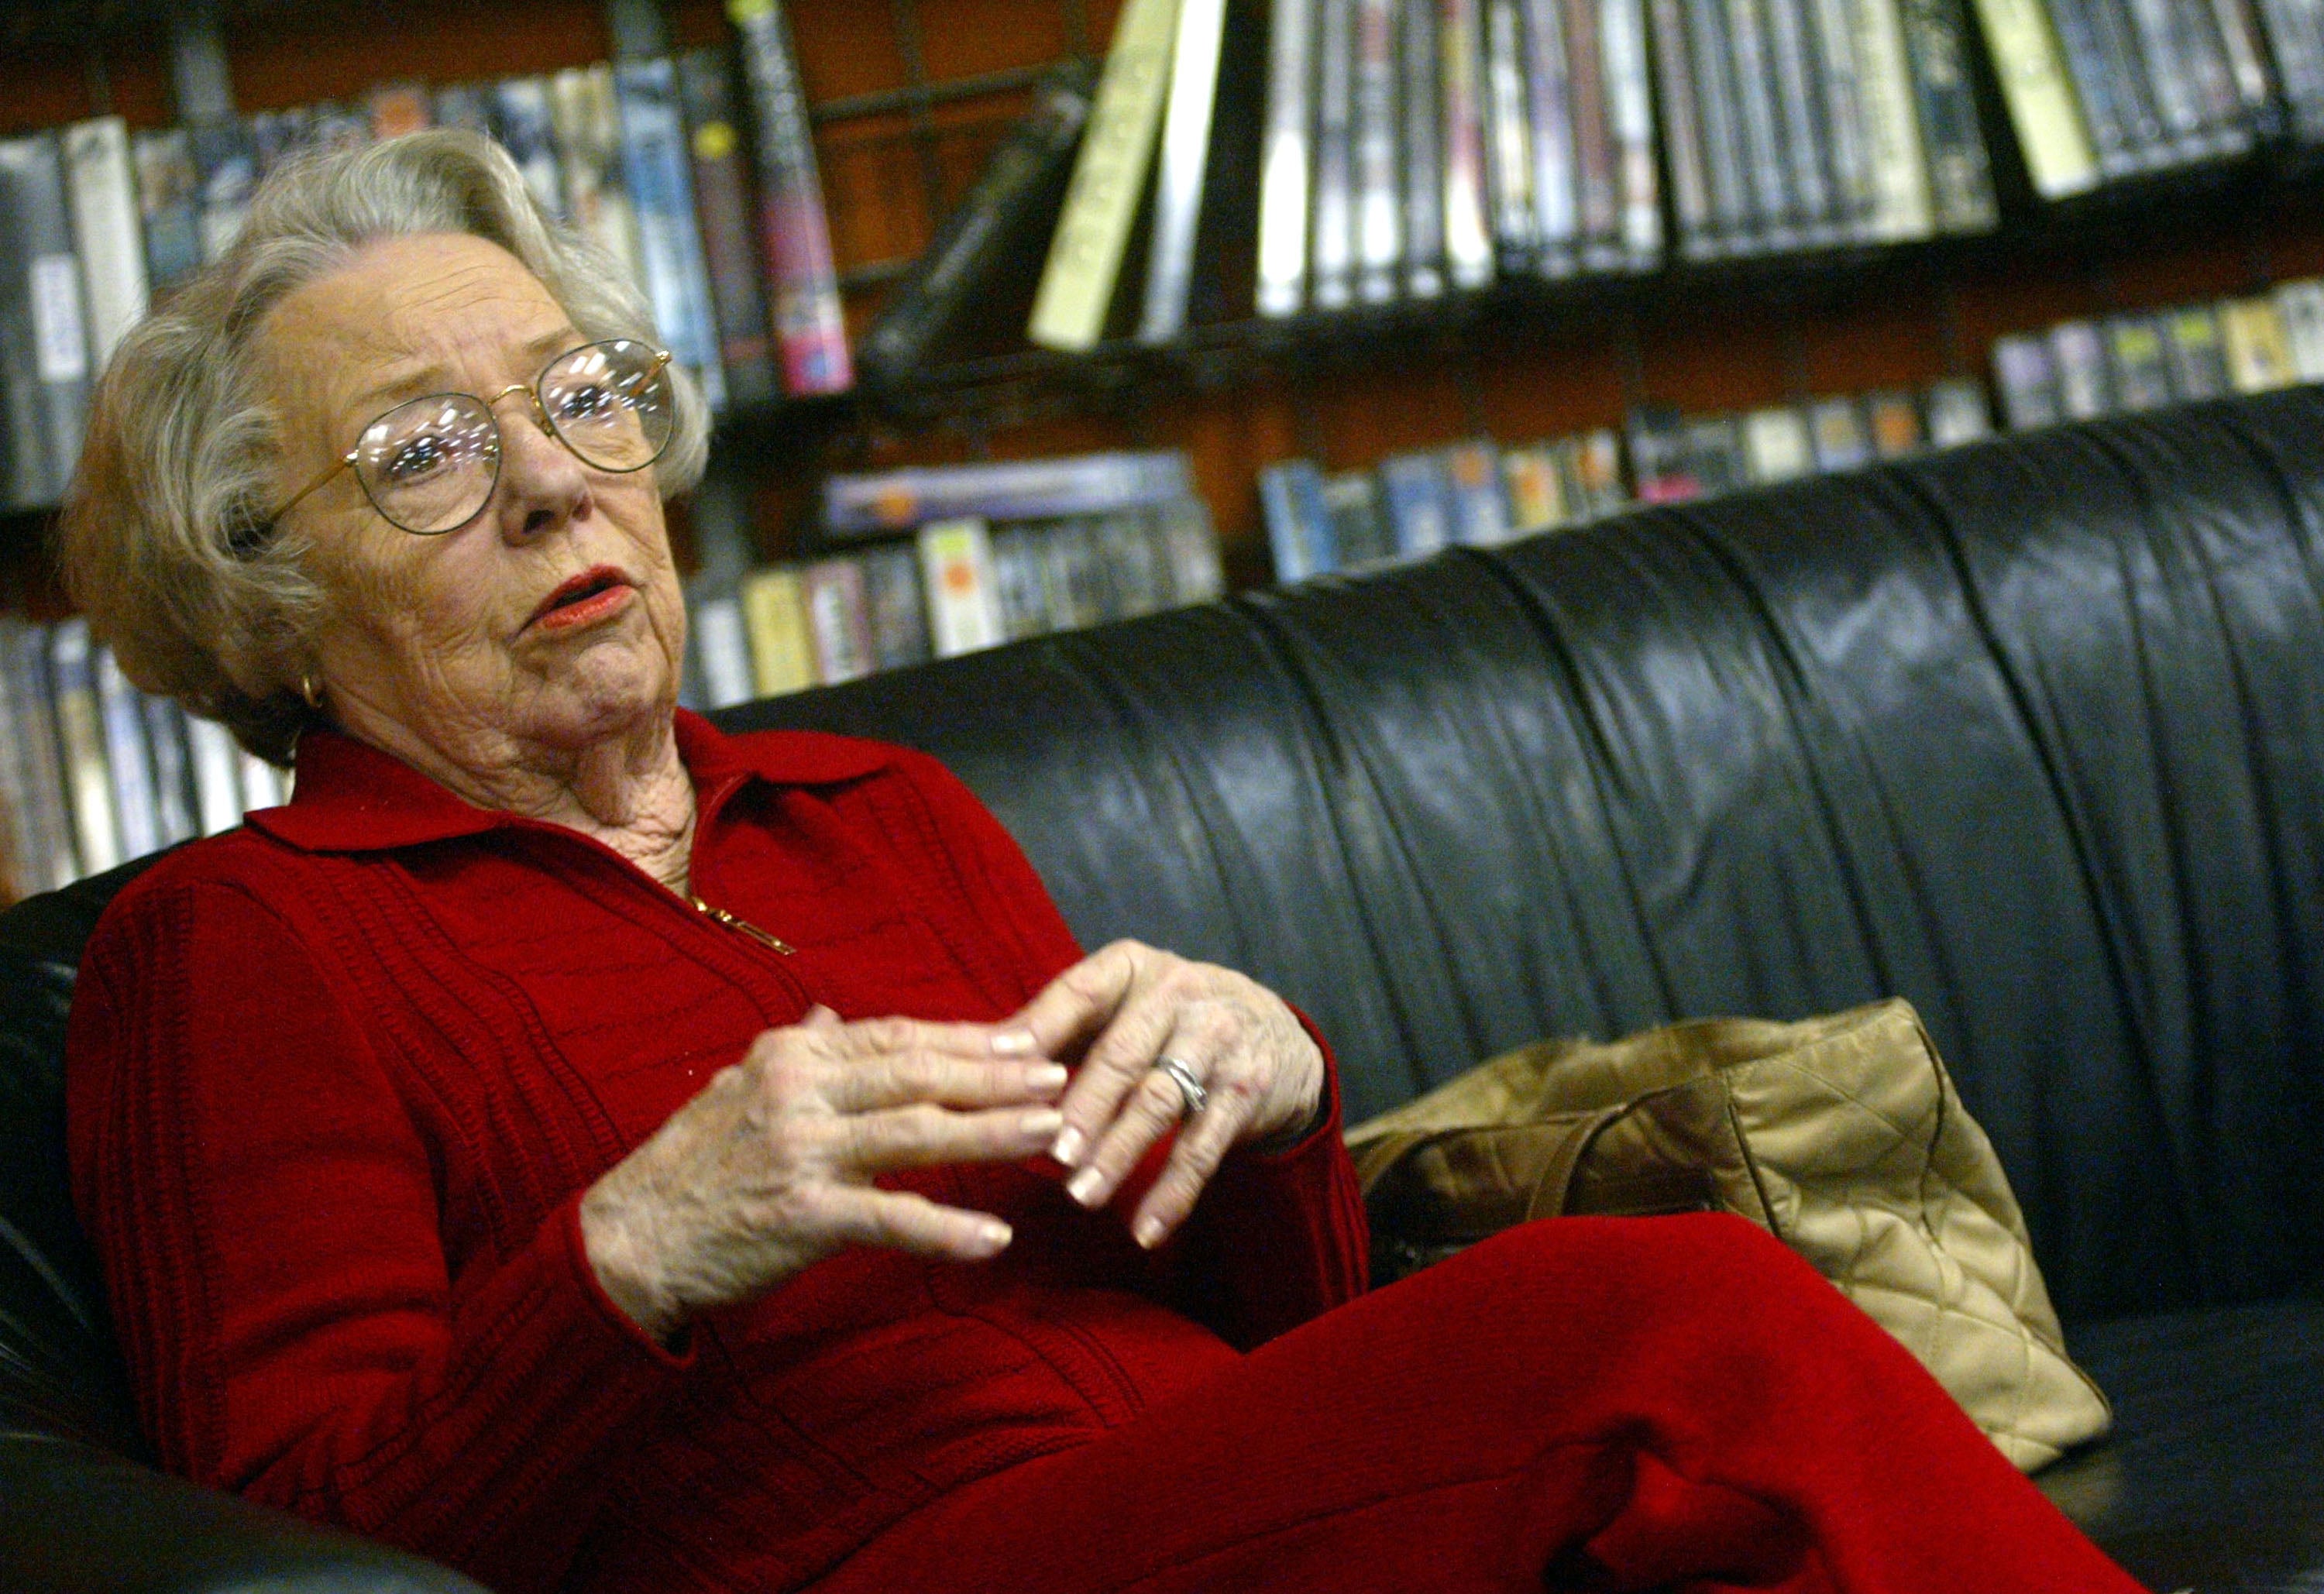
61, 1373
2030, 732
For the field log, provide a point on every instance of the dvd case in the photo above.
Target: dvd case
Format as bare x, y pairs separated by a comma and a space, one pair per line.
2024, 372
1957, 412
1959, 175
1549, 109
1630, 113
802, 278
1736, 221
1332, 284
1420, 108
2079, 359
1804, 142
1508, 141
2137, 364
1594, 177
1285, 158
1468, 227
1183, 161
1682, 131
1377, 213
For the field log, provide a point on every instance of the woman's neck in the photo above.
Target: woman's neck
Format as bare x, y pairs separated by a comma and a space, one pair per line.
629, 790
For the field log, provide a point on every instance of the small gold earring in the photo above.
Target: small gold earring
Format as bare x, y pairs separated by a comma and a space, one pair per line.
309, 691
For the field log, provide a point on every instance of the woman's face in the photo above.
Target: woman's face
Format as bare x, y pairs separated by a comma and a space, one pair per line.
454, 640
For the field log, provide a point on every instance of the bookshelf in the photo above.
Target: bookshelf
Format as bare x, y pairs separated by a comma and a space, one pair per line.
908, 98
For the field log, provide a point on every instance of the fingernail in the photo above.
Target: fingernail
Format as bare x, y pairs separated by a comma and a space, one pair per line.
1068, 1148
1149, 1232
995, 1234
1040, 1121
1012, 1043
1082, 1186
1048, 1076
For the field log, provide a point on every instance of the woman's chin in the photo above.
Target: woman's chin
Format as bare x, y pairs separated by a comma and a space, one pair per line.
604, 692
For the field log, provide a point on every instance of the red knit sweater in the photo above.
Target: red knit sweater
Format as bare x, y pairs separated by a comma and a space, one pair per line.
337, 1081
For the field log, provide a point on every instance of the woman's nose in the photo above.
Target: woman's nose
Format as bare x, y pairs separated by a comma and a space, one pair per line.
543, 485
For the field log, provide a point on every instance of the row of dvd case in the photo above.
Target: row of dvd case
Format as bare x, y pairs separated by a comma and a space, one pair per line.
2076, 369
651, 160
2102, 90
1477, 492
1676, 459
1474, 492
94, 772
2081, 369
1413, 147
1805, 123
954, 558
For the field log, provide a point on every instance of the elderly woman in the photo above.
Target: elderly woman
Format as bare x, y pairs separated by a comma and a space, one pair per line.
607, 1155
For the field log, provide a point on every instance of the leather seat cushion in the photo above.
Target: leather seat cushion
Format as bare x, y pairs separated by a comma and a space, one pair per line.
2215, 1474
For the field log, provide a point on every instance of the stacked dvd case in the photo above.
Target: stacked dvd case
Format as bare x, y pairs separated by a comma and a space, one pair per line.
1414, 147
1798, 124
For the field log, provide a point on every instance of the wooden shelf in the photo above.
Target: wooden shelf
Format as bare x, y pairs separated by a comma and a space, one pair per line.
908, 96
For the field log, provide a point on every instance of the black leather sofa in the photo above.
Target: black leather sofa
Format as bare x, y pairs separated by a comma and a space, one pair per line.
2031, 732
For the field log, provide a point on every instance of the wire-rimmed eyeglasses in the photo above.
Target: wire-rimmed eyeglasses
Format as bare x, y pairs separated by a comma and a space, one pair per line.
430, 464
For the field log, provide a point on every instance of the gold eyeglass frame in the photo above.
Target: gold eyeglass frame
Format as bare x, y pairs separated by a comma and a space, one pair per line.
530, 390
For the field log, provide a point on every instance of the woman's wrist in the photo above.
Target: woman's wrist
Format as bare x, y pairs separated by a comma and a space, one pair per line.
1288, 1138
625, 1274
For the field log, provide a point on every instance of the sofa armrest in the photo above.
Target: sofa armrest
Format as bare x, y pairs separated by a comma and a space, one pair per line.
75, 1519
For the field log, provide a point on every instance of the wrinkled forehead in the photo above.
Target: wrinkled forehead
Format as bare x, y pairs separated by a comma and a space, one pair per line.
403, 317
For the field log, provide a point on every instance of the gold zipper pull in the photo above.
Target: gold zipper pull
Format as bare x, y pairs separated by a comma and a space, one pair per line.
733, 923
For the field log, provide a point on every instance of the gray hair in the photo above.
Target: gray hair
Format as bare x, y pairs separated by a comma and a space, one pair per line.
165, 541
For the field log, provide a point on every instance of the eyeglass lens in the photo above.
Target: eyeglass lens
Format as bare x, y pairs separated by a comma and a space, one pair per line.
429, 465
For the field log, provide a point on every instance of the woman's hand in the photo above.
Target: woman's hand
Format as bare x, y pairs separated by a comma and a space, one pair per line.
1121, 1011
770, 1167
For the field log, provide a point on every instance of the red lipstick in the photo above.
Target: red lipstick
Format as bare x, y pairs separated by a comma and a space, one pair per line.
594, 595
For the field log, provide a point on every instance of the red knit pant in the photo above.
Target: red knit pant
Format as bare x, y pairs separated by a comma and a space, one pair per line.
1581, 1403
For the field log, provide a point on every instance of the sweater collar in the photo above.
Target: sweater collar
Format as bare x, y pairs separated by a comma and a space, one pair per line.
351, 798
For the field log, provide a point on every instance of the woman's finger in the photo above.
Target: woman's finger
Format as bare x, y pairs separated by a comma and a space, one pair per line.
855, 1079
1149, 1108
868, 1035
1126, 1007
1106, 1082
1075, 1007
900, 1219
1204, 1140
924, 1135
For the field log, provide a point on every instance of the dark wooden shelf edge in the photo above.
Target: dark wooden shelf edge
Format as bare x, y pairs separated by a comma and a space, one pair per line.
42, 24
784, 422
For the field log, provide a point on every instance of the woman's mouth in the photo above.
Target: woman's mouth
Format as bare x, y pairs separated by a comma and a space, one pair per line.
593, 595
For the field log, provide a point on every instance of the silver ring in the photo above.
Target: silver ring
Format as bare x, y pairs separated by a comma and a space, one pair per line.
1189, 1088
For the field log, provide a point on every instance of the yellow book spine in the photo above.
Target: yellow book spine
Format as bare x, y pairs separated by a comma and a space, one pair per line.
2042, 105
782, 659
1532, 482
964, 596
1109, 179
2259, 356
